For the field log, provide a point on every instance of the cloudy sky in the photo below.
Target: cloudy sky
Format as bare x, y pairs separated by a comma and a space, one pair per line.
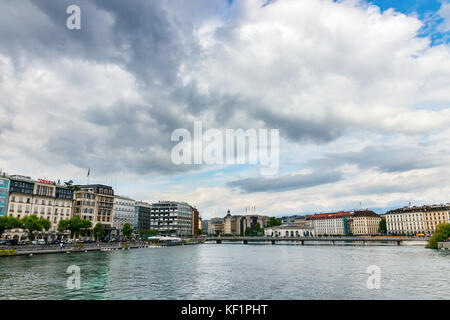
359, 90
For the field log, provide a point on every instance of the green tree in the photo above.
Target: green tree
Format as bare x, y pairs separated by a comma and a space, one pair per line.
45, 223
441, 233
256, 231
382, 226
149, 232
33, 223
75, 225
8, 222
69, 183
99, 231
273, 222
127, 230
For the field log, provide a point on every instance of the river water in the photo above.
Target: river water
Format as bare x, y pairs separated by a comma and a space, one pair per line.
232, 271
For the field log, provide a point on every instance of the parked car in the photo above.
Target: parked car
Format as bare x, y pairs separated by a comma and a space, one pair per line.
38, 241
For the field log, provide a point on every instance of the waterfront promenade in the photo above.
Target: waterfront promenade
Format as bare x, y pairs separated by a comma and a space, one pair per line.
29, 250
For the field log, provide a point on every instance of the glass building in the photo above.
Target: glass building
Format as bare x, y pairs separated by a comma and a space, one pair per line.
4, 191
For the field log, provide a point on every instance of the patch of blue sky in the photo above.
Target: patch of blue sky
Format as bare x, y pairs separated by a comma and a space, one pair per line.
211, 176
426, 11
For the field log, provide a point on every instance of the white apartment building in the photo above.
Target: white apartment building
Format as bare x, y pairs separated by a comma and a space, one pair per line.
405, 221
330, 223
290, 230
171, 218
39, 197
124, 212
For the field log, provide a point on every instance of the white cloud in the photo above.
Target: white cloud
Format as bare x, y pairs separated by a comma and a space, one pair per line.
444, 12
334, 77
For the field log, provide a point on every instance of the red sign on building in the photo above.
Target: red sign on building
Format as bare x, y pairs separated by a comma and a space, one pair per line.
45, 181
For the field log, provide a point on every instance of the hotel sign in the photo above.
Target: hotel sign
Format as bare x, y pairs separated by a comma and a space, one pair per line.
45, 181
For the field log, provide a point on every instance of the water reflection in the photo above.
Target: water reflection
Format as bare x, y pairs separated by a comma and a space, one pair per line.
231, 272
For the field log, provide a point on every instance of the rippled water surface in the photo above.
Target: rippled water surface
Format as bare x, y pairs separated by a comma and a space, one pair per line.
231, 271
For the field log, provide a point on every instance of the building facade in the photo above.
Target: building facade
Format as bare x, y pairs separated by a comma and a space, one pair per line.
143, 216
408, 220
40, 197
196, 226
417, 220
4, 192
205, 224
289, 230
234, 225
330, 223
215, 226
124, 212
171, 218
364, 222
434, 215
95, 203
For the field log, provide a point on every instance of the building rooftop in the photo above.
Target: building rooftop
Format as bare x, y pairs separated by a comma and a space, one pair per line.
290, 226
364, 213
425, 208
331, 215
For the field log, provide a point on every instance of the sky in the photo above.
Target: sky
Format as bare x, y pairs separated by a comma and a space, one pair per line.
359, 91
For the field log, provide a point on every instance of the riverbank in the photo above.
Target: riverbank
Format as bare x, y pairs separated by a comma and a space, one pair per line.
55, 249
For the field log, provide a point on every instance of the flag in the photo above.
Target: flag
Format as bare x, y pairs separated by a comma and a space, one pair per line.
89, 172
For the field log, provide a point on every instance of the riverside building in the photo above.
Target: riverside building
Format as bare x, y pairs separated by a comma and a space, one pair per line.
42, 198
196, 222
4, 191
364, 222
215, 226
205, 226
143, 216
289, 230
407, 220
236, 224
330, 223
95, 203
417, 220
171, 218
434, 215
124, 212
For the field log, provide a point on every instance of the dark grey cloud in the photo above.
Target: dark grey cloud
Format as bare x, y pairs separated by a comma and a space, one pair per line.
384, 158
286, 182
151, 40
298, 129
